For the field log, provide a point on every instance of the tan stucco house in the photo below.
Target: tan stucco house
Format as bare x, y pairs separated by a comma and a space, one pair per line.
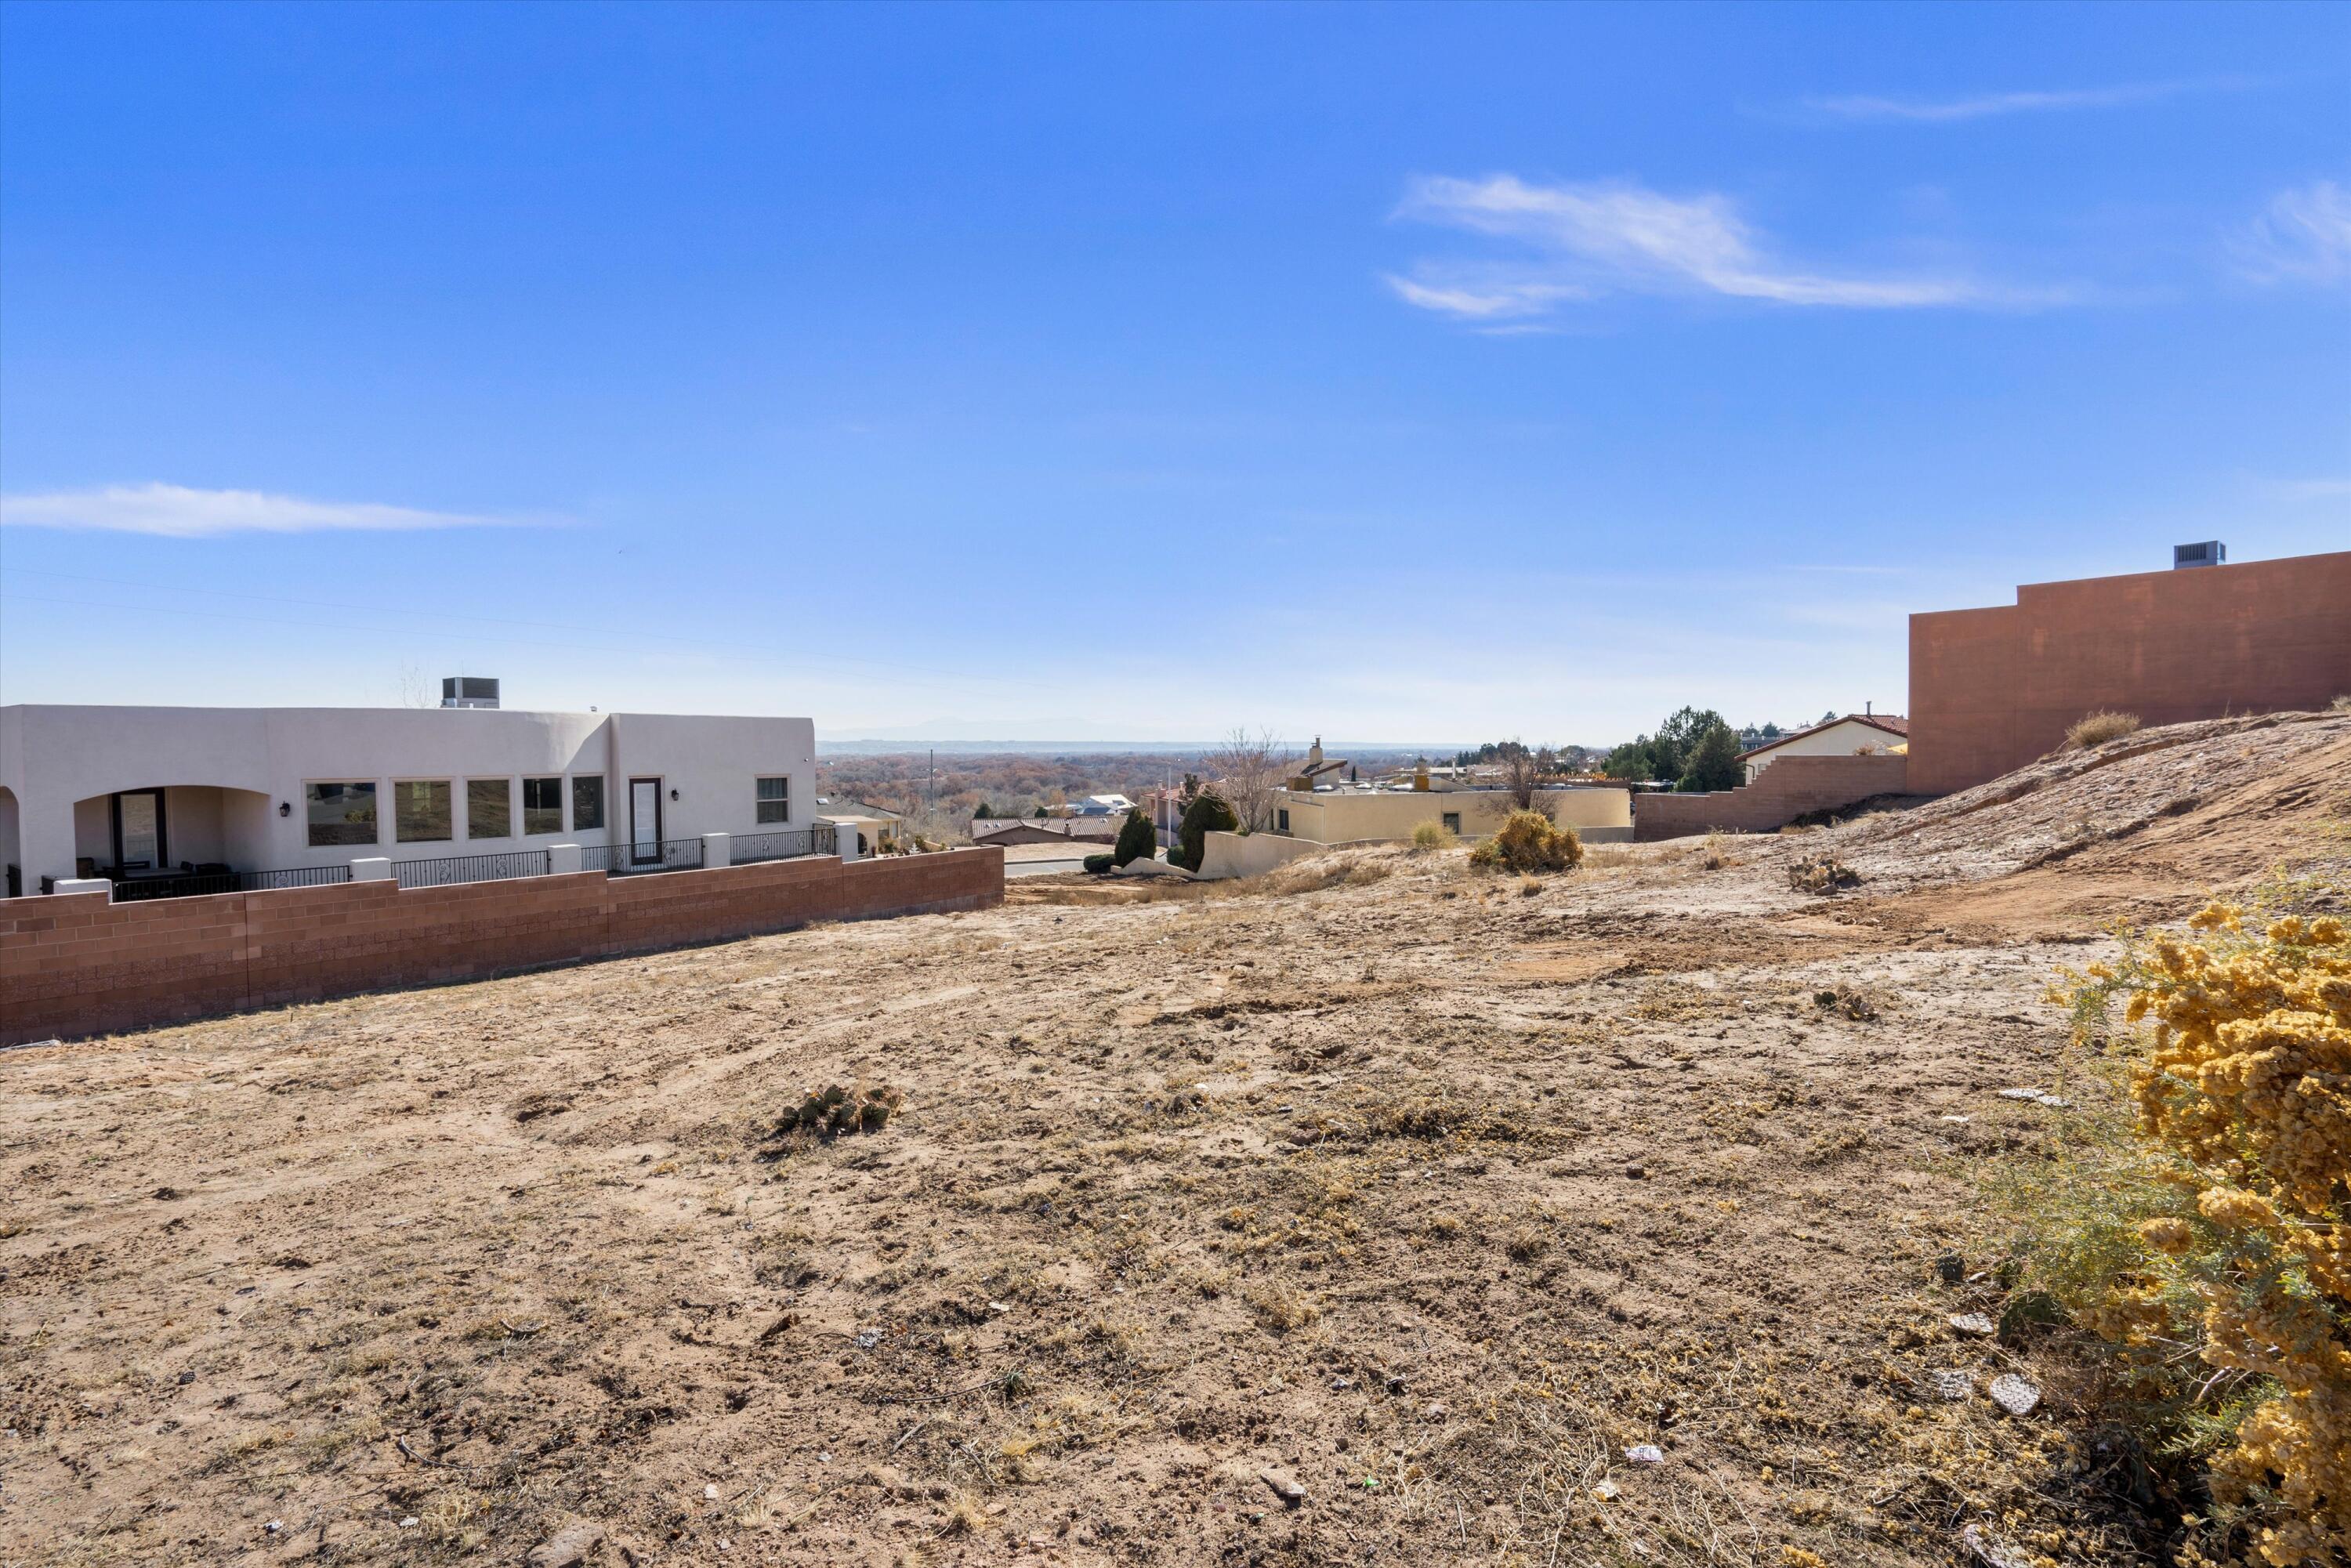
1855, 735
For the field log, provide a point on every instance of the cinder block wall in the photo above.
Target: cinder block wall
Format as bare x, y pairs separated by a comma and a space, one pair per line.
78, 965
1990, 690
1790, 786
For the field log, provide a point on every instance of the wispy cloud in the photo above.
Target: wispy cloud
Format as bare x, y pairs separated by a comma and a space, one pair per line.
2311, 489
175, 511
1588, 240
1984, 106
2302, 236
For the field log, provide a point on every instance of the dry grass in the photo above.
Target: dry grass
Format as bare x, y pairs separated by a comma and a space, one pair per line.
1374, 1170
2092, 729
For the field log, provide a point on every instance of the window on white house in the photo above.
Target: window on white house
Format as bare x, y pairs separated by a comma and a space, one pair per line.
421, 811
489, 808
1282, 823
542, 805
1452, 820
587, 805
341, 814
775, 799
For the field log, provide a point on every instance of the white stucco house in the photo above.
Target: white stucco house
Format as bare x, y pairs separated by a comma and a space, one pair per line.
1854, 734
132, 793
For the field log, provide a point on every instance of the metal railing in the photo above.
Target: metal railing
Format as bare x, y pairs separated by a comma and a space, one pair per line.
195, 884
789, 843
625, 860
614, 860
450, 870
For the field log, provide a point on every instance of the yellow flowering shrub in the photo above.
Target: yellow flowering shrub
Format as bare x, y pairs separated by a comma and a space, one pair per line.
2241, 1090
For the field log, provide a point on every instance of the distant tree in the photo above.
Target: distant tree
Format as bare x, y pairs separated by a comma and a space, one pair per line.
1521, 774
1135, 840
1671, 747
1629, 761
1713, 762
1040, 811
1667, 754
1206, 814
1251, 770
982, 812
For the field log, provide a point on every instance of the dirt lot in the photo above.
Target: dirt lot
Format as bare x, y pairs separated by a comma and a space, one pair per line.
1423, 1192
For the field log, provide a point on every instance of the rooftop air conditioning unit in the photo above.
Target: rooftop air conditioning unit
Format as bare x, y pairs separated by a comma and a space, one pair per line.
2212, 552
469, 690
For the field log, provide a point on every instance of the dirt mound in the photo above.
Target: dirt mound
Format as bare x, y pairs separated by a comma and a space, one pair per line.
2139, 829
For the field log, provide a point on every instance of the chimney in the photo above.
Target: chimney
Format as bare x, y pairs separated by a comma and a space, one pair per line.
469, 690
2212, 552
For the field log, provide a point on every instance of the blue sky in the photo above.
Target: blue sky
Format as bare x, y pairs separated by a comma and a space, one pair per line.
1409, 374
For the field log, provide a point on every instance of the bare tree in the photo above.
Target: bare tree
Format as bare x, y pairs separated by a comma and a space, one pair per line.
1522, 772
1248, 770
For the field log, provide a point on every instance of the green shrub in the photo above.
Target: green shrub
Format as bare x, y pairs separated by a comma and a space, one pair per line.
1136, 839
1713, 763
1530, 841
1206, 814
1098, 864
1432, 835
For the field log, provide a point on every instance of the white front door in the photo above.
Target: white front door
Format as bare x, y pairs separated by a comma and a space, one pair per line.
644, 820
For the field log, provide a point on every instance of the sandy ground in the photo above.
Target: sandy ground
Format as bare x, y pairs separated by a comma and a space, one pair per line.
1419, 1194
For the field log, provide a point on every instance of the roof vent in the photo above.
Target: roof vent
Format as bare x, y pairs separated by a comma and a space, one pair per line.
469, 690
2212, 552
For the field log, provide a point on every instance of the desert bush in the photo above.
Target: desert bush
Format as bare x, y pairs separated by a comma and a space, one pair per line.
2097, 728
2342, 704
1207, 813
834, 1110
2223, 1221
1530, 842
1280, 1307
1822, 874
1432, 835
1100, 864
1135, 840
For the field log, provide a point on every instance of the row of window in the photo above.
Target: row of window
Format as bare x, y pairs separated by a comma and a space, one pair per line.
421, 809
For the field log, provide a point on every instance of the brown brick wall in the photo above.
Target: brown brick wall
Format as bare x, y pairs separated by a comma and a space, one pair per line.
1993, 689
77, 965
1790, 786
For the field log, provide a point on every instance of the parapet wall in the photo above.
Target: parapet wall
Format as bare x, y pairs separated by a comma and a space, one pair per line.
75, 964
1992, 690
1787, 790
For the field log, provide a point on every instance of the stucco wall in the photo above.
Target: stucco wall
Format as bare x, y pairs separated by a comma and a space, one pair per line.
56, 758
1993, 689
1844, 738
75, 964
1343, 817
1224, 855
1781, 793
